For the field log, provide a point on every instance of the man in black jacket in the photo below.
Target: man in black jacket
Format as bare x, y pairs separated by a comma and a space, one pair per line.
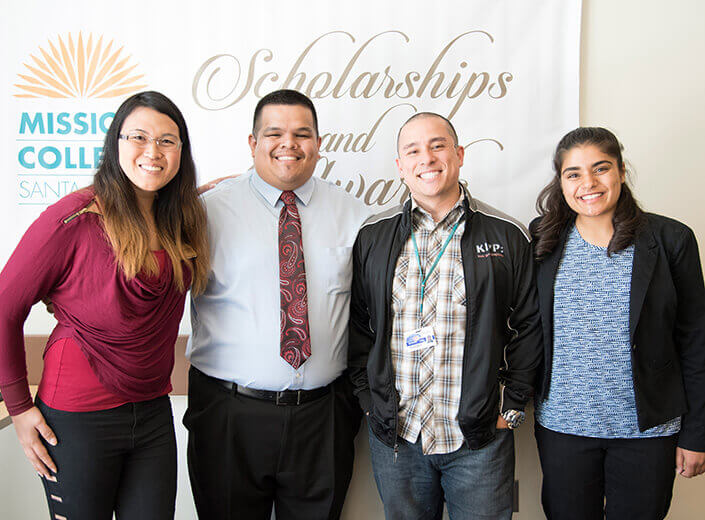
445, 338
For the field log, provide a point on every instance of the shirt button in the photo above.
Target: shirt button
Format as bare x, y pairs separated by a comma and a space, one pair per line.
298, 375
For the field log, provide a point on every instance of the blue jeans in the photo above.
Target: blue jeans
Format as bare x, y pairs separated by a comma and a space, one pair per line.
475, 484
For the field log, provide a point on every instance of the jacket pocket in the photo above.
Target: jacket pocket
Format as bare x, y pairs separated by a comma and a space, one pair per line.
656, 367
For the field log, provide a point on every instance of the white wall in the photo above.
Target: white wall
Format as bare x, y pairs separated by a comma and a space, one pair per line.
642, 76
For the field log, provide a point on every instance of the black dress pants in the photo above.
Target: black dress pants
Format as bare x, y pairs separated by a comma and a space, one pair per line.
585, 478
245, 454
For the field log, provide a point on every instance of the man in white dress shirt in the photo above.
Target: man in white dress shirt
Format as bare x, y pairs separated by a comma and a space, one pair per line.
270, 417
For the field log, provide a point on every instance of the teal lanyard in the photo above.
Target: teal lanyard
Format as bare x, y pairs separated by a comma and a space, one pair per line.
424, 279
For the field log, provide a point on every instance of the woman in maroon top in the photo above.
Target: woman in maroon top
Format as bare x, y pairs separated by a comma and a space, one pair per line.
116, 260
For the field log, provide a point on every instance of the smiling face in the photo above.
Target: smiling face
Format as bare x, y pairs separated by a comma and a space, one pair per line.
591, 182
149, 168
286, 146
429, 162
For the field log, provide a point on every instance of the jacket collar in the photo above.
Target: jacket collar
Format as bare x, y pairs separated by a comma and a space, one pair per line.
546, 279
645, 256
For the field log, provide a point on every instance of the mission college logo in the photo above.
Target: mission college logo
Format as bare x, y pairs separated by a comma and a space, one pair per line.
88, 69
66, 94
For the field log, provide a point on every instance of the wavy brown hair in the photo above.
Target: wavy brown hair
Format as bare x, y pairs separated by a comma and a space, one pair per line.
557, 215
179, 214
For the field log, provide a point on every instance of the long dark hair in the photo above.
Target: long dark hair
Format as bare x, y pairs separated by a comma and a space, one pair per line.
557, 215
179, 214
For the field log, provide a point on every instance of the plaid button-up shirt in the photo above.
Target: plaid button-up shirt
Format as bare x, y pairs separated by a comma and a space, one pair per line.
429, 380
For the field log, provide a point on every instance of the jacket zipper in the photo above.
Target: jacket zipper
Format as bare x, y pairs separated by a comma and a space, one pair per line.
394, 387
392, 377
469, 302
78, 213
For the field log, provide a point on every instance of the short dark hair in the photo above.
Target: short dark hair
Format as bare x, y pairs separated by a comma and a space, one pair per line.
557, 215
419, 115
283, 97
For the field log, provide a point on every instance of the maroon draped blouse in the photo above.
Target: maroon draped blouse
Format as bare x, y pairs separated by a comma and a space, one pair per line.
125, 328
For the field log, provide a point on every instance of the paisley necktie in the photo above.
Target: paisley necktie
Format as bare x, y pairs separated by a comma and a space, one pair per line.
295, 340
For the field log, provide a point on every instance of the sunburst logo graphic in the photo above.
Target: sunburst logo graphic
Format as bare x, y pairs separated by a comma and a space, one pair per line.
86, 69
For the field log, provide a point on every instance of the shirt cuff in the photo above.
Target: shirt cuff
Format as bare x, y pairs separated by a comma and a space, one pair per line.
17, 396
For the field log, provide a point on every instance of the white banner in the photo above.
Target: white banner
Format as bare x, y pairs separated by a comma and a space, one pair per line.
506, 72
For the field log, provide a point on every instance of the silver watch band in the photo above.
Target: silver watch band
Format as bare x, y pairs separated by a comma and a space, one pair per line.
514, 418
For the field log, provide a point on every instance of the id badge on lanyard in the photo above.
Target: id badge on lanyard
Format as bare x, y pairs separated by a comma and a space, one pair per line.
425, 337
421, 338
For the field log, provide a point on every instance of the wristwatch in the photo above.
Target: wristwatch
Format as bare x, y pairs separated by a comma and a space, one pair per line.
514, 418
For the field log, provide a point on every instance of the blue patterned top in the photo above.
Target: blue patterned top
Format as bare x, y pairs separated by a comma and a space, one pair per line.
591, 391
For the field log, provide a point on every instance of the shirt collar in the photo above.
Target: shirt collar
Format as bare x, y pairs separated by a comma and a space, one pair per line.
422, 218
272, 194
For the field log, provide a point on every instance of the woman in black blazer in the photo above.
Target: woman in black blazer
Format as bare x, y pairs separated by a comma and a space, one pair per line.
621, 401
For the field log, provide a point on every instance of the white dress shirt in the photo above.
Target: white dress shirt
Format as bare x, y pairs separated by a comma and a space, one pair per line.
236, 320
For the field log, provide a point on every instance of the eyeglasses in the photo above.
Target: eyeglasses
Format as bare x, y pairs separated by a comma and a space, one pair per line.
142, 140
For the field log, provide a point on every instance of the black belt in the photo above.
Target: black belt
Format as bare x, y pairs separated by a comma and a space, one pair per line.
283, 398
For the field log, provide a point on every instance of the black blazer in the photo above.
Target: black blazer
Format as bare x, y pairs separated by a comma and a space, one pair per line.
666, 325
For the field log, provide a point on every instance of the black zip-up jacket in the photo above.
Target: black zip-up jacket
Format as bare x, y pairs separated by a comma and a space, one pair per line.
666, 326
503, 333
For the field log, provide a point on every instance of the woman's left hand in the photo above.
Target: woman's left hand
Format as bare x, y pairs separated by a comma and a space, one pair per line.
690, 463
212, 184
